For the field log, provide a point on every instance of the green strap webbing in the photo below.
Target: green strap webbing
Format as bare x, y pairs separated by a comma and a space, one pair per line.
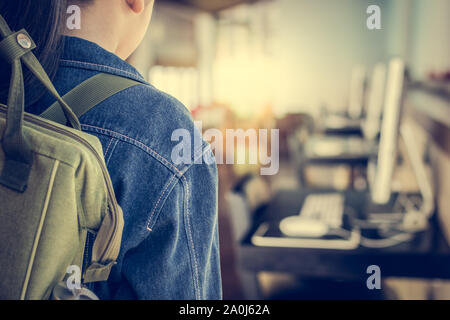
88, 94
35, 67
15, 49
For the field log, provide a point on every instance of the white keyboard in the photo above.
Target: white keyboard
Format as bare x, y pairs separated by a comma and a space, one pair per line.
328, 208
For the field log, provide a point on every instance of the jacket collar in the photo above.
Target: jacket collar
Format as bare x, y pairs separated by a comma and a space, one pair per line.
80, 53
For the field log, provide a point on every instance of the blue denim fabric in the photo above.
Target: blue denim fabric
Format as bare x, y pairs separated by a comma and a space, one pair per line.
170, 247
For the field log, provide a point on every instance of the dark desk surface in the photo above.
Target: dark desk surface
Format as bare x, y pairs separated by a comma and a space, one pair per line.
427, 256
344, 130
350, 155
345, 158
342, 125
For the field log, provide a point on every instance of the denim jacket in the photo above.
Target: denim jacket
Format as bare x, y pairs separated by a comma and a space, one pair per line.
170, 247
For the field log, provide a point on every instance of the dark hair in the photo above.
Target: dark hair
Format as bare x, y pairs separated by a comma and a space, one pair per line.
43, 19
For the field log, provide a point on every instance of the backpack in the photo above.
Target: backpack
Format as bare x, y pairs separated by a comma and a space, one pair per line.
54, 186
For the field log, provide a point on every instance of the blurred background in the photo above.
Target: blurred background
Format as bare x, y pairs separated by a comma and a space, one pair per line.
339, 80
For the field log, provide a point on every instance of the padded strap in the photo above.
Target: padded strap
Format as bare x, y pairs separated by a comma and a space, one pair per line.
35, 67
88, 94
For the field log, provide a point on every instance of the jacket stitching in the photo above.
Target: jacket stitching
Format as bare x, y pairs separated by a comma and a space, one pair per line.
109, 145
111, 150
188, 228
190, 238
138, 144
134, 75
197, 154
158, 201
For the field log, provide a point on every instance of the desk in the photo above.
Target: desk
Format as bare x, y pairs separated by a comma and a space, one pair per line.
348, 158
342, 125
344, 131
427, 256
346, 154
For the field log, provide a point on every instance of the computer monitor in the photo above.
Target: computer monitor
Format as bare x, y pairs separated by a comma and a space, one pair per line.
357, 91
371, 125
390, 128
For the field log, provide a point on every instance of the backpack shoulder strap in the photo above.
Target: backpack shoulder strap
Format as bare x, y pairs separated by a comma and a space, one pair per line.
88, 94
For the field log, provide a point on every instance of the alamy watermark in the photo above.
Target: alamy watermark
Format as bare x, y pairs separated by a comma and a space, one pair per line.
73, 21
373, 21
74, 279
230, 147
374, 280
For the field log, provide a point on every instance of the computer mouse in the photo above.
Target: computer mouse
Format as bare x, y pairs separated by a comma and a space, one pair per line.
298, 226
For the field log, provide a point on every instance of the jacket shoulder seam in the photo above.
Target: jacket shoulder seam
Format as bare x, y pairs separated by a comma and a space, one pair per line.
136, 143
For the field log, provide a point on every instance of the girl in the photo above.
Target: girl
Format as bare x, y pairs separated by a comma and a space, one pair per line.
170, 240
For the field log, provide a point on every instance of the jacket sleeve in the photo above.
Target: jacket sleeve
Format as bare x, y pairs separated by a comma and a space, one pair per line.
178, 258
